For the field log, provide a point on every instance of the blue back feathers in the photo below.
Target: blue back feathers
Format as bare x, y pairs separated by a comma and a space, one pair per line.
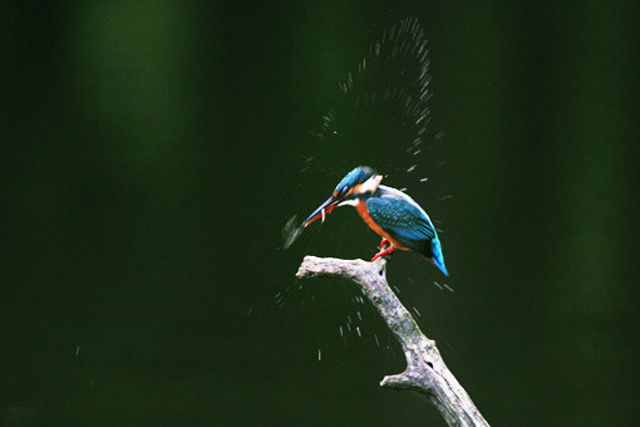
405, 221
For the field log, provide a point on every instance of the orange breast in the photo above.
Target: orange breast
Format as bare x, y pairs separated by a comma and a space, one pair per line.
364, 213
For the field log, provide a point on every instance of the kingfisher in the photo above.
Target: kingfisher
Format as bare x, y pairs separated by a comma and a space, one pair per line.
394, 215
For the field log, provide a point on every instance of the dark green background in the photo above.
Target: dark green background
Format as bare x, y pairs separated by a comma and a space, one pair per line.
152, 151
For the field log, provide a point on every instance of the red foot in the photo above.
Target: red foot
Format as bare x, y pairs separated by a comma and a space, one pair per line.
383, 251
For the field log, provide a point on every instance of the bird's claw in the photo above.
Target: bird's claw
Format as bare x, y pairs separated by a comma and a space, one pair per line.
383, 250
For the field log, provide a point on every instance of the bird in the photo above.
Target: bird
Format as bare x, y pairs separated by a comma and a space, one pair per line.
391, 213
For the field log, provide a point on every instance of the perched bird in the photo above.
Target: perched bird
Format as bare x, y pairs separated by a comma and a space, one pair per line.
395, 216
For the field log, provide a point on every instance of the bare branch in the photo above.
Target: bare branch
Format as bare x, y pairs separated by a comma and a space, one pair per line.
426, 372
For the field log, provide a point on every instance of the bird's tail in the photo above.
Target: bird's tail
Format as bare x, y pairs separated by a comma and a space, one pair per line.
438, 258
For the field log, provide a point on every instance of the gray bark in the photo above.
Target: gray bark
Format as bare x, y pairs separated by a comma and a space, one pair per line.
426, 372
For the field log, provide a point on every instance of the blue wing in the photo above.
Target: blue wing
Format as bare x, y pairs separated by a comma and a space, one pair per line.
403, 221
407, 223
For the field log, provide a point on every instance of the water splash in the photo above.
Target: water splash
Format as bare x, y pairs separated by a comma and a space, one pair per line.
291, 231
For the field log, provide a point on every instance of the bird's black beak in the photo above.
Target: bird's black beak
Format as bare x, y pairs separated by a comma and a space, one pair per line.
324, 209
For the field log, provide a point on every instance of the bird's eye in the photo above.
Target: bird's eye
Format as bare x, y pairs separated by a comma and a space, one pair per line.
344, 190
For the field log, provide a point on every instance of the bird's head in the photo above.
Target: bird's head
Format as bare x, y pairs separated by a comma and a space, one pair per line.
357, 185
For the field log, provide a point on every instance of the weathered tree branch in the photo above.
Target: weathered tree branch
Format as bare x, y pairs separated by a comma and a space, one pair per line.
426, 372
